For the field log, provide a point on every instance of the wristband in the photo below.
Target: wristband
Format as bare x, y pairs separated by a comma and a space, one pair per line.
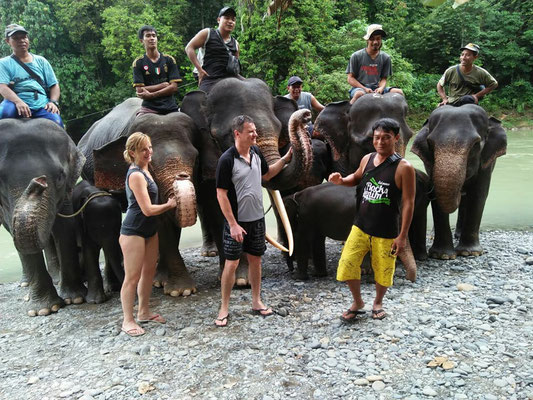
54, 102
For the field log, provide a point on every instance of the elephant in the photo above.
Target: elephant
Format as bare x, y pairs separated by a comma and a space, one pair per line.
213, 115
348, 127
311, 225
39, 166
98, 227
459, 147
175, 141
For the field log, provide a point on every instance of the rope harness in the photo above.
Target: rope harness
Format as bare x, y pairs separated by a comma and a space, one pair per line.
91, 197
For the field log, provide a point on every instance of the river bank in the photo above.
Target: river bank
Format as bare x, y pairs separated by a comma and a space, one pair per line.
474, 312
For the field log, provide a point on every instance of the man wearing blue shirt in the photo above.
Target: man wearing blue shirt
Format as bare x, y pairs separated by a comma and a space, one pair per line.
26, 96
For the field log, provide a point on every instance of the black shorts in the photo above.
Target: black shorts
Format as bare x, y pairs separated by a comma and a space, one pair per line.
253, 243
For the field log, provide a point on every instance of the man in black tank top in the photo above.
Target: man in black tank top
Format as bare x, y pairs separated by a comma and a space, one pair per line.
213, 44
386, 190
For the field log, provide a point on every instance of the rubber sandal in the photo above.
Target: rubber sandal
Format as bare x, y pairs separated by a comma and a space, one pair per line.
376, 312
221, 320
131, 332
154, 318
262, 312
355, 313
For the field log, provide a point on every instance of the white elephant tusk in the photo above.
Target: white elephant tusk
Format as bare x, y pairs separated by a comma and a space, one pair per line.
273, 242
278, 201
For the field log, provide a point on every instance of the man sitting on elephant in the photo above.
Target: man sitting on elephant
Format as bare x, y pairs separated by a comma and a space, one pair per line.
155, 76
386, 185
369, 68
467, 82
218, 46
27, 81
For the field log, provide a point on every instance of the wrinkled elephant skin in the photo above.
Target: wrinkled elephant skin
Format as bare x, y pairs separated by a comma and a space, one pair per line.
39, 165
459, 147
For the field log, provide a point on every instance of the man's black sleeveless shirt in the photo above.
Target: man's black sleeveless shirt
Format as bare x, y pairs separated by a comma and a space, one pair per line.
216, 56
379, 210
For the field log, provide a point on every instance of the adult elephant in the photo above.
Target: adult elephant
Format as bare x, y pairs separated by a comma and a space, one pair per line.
175, 143
213, 115
348, 127
39, 166
459, 147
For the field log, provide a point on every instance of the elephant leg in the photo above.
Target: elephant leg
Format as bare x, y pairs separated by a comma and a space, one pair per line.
43, 297
302, 249
417, 234
474, 204
178, 282
71, 289
52, 260
208, 208
319, 255
442, 247
241, 274
114, 271
460, 218
91, 267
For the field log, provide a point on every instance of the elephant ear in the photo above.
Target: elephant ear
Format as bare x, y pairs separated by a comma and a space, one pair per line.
283, 109
496, 143
333, 124
76, 160
109, 166
420, 145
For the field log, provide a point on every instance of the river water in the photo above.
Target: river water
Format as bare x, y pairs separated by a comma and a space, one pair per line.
508, 205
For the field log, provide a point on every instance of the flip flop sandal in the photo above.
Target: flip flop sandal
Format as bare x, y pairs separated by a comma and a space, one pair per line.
221, 320
132, 332
355, 313
375, 314
261, 312
154, 318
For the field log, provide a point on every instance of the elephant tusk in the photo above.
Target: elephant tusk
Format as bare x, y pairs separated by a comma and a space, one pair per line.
273, 242
278, 201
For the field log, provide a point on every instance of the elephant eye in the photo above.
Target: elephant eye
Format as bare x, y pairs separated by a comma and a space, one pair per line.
61, 178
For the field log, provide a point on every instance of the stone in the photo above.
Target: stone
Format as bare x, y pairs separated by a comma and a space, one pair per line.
529, 260
465, 287
32, 380
144, 387
429, 391
378, 386
374, 378
361, 382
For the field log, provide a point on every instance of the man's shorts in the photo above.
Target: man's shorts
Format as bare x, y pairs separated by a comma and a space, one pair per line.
354, 90
253, 243
355, 249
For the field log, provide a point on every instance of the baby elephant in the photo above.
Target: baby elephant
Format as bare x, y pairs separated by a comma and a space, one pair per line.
98, 227
328, 210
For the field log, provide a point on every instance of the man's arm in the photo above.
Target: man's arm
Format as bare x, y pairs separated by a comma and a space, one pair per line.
276, 168
316, 104
352, 179
478, 96
442, 94
355, 83
408, 187
194, 44
150, 92
236, 230
54, 98
22, 108
382, 85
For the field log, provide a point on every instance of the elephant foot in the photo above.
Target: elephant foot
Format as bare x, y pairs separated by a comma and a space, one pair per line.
24, 284
45, 306
320, 273
442, 254
160, 279
209, 250
181, 286
95, 296
423, 256
466, 251
300, 275
73, 294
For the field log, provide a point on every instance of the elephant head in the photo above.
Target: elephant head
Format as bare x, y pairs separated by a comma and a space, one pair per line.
455, 144
38, 170
232, 97
348, 128
173, 163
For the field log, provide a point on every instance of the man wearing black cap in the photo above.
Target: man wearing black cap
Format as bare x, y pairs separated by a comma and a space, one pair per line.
217, 44
467, 82
155, 76
27, 81
304, 99
369, 68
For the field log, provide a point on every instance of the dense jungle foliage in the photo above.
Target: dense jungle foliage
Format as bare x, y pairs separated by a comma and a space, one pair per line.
92, 43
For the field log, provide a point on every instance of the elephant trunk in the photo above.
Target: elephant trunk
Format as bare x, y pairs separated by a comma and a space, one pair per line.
449, 175
302, 157
174, 179
32, 223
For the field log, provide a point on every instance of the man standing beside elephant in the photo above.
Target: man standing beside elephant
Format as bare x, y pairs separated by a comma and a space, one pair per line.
369, 68
386, 186
155, 76
27, 81
467, 82
238, 179
218, 46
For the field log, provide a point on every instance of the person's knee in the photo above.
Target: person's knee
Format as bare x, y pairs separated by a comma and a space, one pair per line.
397, 90
8, 109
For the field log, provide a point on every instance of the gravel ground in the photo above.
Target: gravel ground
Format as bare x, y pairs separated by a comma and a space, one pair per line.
462, 331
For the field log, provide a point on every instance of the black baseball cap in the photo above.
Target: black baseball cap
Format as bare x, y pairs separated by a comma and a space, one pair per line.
14, 28
227, 11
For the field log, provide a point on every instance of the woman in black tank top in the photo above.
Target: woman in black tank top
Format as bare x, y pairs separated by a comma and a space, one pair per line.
138, 236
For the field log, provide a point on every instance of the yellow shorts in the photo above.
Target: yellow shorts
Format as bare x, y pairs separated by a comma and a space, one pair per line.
355, 249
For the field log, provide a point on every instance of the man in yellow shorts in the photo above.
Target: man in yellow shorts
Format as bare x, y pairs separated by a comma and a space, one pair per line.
386, 190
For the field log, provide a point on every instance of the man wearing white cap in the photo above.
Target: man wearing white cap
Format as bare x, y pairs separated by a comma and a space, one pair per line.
27, 81
467, 83
370, 67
